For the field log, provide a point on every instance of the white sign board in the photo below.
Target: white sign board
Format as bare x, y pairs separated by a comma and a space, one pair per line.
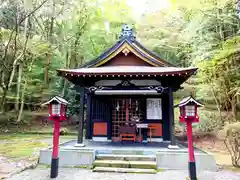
154, 108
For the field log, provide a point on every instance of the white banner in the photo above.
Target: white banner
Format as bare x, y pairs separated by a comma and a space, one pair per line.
154, 108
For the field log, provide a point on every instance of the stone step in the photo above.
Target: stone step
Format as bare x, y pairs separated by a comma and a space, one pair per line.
125, 164
124, 170
126, 157
125, 151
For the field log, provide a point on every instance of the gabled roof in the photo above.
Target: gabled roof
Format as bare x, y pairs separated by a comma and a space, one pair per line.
128, 43
187, 100
60, 100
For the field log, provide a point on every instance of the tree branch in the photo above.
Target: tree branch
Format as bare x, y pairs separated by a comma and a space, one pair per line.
32, 12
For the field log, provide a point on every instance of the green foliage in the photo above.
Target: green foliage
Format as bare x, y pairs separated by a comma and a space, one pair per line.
66, 34
74, 101
56, 34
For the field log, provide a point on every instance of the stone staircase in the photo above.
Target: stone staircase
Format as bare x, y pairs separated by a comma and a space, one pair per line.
125, 163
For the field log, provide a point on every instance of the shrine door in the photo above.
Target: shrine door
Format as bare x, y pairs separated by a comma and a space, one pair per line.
125, 110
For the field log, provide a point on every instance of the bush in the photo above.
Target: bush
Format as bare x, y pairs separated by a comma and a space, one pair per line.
232, 142
209, 121
63, 131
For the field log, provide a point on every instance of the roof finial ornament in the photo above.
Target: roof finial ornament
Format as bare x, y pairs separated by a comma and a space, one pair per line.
127, 33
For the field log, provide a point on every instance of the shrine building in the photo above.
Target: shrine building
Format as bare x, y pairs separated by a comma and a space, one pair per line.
129, 93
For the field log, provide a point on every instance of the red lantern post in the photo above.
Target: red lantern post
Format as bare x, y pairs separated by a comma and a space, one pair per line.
57, 114
188, 114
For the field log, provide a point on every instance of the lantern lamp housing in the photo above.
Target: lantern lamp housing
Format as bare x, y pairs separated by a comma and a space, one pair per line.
188, 109
57, 108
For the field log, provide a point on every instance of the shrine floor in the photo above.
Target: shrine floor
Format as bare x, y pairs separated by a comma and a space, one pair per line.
145, 148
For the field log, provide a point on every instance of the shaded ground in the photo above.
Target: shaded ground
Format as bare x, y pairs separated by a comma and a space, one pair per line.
42, 173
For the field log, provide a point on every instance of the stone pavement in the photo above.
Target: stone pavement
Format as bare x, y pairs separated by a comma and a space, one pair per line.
9, 167
42, 173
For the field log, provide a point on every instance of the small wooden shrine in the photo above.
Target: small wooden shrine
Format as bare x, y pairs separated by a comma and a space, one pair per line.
129, 93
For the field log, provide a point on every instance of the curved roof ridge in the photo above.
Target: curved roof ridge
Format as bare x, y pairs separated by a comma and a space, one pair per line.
153, 54
104, 54
136, 46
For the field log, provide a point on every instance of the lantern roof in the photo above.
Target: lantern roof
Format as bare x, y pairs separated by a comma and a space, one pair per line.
60, 100
189, 100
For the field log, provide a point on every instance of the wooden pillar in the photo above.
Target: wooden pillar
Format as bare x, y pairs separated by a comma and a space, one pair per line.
109, 120
165, 113
171, 119
81, 116
89, 117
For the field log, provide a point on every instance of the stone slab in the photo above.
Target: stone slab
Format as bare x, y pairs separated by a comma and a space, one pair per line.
125, 164
126, 157
176, 160
124, 170
69, 158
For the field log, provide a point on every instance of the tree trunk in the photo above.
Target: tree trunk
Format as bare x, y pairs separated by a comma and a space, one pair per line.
3, 100
234, 110
46, 71
218, 106
19, 79
22, 101
49, 55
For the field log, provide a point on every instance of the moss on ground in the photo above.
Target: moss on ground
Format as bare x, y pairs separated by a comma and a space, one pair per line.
19, 145
16, 145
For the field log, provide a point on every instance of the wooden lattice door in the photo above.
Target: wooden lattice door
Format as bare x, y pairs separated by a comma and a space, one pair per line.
124, 110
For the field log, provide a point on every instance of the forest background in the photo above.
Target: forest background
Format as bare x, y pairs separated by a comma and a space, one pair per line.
39, 36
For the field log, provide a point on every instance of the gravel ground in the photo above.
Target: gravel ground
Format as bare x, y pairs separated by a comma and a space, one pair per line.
42, 173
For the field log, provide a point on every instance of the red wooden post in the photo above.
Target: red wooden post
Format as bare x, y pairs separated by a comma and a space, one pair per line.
55, 151
191, 158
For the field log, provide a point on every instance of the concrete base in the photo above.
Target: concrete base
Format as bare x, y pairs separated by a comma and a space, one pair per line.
179, 161
70, 155
173, 146
79, 145
69, 158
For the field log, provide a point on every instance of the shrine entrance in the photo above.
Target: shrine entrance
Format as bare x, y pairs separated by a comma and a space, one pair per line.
126, 112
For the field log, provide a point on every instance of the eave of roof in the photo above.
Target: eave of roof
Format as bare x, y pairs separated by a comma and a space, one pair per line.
127, 71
